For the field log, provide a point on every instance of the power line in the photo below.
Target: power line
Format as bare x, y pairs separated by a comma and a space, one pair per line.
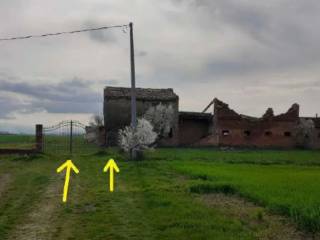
62, 33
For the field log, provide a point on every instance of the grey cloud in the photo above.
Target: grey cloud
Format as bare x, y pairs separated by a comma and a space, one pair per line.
142, 53
75, 90
9, 104
231, 67
272, 20
100, 36
67, 107
283, 33
112, 82
214, 45
248, 17
73, 96
302, 86
250, 63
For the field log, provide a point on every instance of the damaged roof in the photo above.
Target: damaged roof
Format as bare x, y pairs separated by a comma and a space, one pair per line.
141, 93
223, 111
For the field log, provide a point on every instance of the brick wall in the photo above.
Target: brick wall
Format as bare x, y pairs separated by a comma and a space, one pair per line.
193, 127
233, 129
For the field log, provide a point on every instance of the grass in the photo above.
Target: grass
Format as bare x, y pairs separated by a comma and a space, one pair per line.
53, 144
146, 205
28, 178
143, 190
261, 157
17, 141
289, 190
287, 182
157, 198
59, 144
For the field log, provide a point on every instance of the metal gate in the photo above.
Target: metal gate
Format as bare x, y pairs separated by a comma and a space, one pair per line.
66, 137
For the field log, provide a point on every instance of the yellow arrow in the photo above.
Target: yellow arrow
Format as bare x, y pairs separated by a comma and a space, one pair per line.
112, 166
69, 165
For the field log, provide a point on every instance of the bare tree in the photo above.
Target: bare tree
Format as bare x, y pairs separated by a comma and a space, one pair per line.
94, 131
96, 121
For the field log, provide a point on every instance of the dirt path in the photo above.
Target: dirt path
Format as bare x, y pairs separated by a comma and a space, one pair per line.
5, 180
39, 223
263, 224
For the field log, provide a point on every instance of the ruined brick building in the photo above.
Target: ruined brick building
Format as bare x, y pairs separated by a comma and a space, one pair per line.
222, 127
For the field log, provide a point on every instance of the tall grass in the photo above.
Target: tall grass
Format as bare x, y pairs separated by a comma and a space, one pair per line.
261, 157
289, 190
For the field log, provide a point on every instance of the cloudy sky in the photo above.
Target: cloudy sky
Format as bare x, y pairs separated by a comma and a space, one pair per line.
250, 54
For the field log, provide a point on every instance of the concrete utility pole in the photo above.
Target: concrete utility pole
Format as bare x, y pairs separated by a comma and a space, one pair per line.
133, 81
133, 87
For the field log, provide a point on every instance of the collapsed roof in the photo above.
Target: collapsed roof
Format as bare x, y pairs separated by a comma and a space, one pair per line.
222, 109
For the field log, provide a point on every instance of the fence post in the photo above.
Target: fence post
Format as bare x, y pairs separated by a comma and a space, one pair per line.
39, 138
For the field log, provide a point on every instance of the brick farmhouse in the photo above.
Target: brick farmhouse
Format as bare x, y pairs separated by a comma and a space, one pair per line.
222, 127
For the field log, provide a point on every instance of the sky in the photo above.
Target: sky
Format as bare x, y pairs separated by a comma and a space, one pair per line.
250, 54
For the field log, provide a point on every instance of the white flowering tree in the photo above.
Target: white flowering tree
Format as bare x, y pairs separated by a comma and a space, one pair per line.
161, 117
138, 139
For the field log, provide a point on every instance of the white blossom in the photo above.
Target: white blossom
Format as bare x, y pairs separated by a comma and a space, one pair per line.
161, 117
139, 139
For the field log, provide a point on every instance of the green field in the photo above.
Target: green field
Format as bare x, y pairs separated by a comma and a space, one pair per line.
54, 144
17, 141
171, 194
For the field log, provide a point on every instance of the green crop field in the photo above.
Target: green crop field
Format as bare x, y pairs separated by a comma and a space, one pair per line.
17, 141
170, 194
